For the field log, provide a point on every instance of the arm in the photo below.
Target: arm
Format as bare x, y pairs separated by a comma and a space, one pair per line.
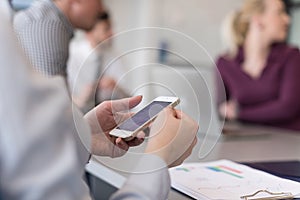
286, 106
156, 187
82, 77
38, 153
172, 138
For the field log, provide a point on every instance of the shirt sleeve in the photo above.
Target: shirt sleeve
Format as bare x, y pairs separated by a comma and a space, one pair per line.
151, 181
38, 152
286, 106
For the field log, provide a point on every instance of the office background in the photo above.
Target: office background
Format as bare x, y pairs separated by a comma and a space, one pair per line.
198, 20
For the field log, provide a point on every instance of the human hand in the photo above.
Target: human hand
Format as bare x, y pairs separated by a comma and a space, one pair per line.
229, 110
107, 83
110, 90
172, 136
103, 118
86, 94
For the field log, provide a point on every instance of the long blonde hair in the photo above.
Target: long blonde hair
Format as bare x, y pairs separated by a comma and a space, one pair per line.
236, 24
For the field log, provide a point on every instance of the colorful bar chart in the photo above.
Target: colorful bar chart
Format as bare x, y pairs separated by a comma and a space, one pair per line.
226, 170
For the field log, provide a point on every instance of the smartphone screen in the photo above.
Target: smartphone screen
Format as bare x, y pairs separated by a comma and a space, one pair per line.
143, 116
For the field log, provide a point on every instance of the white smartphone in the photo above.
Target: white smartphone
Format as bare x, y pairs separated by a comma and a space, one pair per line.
140, 120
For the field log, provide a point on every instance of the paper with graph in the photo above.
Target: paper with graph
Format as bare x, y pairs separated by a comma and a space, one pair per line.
224, 179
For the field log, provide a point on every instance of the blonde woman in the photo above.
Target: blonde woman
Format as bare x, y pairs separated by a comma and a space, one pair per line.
260, 71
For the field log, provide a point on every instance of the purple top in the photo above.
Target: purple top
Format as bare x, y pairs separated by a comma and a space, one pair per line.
273, 98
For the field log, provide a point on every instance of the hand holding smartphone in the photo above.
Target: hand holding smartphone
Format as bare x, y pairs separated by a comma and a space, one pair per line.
139, 121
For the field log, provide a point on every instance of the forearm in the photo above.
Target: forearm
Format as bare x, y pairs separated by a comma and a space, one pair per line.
151, 181
286, 105
271, 112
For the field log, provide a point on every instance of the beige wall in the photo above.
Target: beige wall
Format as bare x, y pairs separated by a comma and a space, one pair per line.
199, 19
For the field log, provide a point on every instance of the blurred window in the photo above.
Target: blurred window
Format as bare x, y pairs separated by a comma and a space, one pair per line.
293, 7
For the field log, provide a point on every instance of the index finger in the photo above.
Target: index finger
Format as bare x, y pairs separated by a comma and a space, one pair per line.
125, 104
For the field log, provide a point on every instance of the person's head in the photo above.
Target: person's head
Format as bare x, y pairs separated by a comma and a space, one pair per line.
83, 14
102, 29
267, 17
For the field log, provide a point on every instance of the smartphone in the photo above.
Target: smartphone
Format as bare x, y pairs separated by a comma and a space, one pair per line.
140, 120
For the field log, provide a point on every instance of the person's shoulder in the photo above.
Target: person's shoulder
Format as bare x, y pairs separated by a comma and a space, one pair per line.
39, 13
287, 49
29, 14
287, 55
224, 60
293, 50
225, 57
21, 19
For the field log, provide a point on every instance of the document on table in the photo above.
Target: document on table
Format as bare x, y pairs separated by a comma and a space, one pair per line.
224, 179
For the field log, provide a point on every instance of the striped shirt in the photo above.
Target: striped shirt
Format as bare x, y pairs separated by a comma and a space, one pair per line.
44, 33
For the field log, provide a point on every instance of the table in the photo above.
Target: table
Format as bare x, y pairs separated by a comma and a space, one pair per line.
242, 143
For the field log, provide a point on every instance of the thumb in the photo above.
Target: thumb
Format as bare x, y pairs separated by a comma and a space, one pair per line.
170, 111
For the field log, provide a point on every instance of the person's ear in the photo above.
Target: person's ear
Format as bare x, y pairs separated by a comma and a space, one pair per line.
76, 1
258, 21
75, 5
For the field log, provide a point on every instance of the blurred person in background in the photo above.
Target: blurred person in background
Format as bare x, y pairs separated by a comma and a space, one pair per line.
41, 155
90, 77
45, 29
260, 71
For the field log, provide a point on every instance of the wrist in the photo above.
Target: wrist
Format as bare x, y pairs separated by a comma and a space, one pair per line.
161, 152
237, 111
